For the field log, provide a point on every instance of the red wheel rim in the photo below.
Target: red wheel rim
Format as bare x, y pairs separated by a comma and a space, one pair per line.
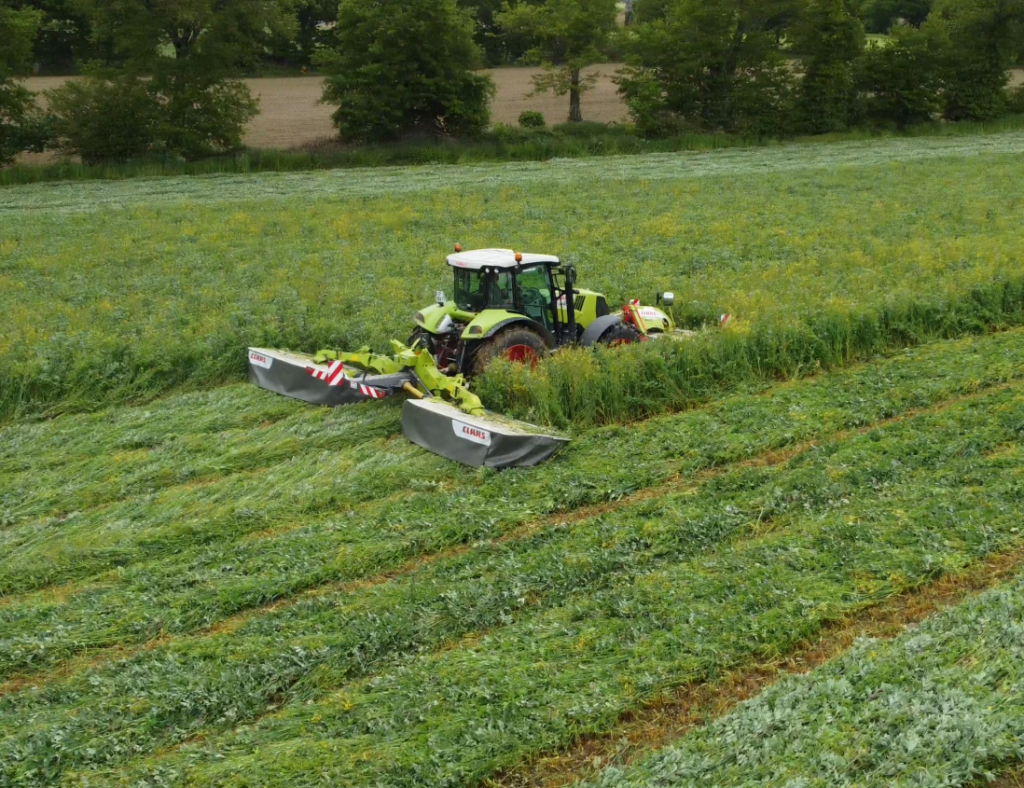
522, 354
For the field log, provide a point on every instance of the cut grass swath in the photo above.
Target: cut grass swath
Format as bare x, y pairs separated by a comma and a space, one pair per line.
898, 506
687, 708
181, 588
943, 704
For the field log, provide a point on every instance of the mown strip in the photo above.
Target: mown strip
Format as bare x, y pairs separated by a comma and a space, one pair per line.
364, 629
665, 720
1012, 777
195, 587
457, 715
942, 704
72, 464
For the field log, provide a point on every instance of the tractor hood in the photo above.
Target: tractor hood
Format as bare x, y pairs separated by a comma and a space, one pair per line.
430, 317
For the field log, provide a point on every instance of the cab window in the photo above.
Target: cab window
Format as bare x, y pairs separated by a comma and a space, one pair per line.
479, 290
533, 288
501, 294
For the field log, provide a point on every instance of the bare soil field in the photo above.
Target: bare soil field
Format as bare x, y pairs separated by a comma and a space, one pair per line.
291, 115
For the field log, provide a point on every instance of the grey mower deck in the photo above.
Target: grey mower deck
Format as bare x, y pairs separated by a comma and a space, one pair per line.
488, 442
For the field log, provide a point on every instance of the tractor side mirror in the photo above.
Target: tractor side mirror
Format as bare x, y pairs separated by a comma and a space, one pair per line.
666, 298
440, 297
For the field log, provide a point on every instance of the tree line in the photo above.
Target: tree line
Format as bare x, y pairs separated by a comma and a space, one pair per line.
162, 76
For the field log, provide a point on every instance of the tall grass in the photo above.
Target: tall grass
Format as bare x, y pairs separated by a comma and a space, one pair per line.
583, 388
115, 292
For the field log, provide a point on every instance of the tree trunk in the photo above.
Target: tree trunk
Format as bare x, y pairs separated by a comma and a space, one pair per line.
575, 114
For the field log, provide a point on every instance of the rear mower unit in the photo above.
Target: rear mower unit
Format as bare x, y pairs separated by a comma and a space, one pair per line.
506, 305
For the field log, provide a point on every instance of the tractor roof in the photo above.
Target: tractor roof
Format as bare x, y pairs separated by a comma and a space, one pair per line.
496, 258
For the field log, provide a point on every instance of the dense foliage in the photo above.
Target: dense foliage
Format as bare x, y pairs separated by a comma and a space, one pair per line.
802, 66
401, 67
20, 127
401, 71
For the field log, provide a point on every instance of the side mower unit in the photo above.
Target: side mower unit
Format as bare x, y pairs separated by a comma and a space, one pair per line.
506, 305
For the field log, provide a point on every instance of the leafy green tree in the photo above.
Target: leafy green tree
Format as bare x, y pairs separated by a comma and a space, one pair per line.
63, 38
650, 10
713, 64
831, 40
568, 36
500, 47
880, 15
901, 81
20, 126
100, 119
219, 36
190, 50
985, 38
315, 21
400, 67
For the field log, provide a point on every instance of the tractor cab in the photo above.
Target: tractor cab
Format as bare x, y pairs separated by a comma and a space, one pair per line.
518, 306
532, 285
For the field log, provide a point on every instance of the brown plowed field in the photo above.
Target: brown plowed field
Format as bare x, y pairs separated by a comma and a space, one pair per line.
290, 115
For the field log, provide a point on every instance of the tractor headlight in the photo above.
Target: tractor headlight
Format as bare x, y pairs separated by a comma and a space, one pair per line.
418, 317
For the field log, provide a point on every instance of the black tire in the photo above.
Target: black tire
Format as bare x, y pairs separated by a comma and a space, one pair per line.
486, 350
619, 334
426, 337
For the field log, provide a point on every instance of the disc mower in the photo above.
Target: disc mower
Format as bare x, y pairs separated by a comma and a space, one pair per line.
505, 304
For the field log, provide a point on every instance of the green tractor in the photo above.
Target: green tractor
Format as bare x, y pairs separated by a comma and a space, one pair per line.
521, 307
506, 305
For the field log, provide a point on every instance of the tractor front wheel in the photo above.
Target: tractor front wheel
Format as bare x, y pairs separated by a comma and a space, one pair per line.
619, 334
517, 344
423, 338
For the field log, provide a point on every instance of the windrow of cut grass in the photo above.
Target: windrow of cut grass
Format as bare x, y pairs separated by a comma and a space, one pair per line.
298, 653
832, 532
119, 291
54, 472
941, 705
165, 584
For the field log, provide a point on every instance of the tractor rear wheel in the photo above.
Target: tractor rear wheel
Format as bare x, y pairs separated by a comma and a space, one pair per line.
517, 344
619, 334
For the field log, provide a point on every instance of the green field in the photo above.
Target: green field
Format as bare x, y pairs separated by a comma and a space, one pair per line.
114, 291
221, 587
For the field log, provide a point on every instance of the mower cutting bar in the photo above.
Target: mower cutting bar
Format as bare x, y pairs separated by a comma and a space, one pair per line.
331, 384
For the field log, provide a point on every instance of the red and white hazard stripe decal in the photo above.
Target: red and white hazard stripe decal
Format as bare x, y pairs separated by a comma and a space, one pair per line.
371, 392
333, 376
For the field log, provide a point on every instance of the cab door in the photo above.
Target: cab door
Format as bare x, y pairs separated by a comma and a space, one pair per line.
533, 294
